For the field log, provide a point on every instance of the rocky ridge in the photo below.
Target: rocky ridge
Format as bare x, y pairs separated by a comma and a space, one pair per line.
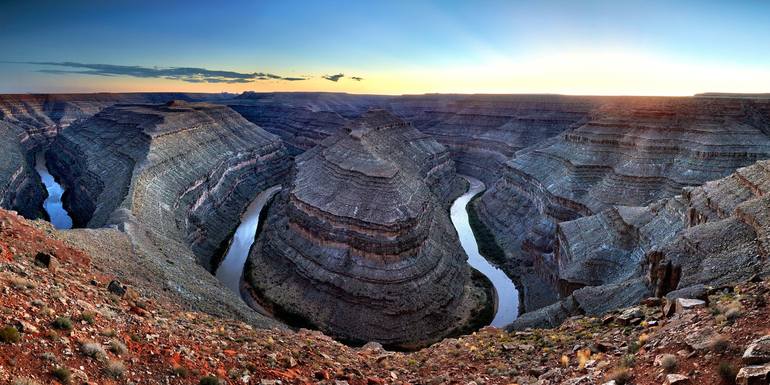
65, 316
173, 179
631, 152
359, 243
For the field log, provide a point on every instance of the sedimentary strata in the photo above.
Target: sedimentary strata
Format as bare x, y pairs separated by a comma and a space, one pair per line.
359, 242
28, 124
631, 152
183, 170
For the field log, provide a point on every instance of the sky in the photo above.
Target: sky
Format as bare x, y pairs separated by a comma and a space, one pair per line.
674, 47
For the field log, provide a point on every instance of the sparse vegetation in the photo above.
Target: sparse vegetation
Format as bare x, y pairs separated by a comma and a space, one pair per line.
118, 347
62, 323
62, 374
621, 376
9, 335
21, 283
114, 368
209, 380
727, 372
628, 361
669, 363
93, 349
180, 371
88, 316
719, 344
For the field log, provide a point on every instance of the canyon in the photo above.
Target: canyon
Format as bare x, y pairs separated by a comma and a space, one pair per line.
359, 243
587, 198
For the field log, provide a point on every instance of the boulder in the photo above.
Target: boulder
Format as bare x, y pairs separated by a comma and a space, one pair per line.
753, 375
758, 352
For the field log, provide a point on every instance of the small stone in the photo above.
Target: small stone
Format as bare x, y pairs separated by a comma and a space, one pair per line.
758, 352
509, 347
46, 260
676, 379
753, 375
26, 327
116, 288
685, 304
627, 315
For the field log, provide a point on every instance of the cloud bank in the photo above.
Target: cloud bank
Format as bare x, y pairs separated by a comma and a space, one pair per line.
185, 74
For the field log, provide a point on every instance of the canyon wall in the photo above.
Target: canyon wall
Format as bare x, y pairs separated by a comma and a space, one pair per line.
359, 242
29, 122
631, 152
185, 171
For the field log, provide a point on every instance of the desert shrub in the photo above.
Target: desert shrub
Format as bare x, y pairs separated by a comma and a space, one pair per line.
88, 316
93, 349
62, 374
9, 335
118, 347
628, 361
209, 380
719, 344
727, 372
621, 376
669, 363
180, 371
114, 368
62, 323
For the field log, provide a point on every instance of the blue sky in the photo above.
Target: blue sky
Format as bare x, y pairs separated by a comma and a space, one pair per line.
395, 46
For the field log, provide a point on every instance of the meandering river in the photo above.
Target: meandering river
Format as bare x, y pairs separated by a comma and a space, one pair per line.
231, 268
507, 294
53, 204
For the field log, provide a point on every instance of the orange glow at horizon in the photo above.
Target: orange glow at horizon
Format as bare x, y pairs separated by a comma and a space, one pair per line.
585, 73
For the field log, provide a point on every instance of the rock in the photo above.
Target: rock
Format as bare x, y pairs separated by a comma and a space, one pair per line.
373, 346
116, 288
698, 291
700, 339
629, 314
758, 352
26, 327
46, 260
362, 216
753, 375
676, 379
684, 304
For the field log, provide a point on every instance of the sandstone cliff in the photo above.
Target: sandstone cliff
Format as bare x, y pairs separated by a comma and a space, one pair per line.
631, 152
359, 242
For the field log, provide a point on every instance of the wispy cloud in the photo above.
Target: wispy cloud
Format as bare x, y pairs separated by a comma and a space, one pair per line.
185, 74
334, 78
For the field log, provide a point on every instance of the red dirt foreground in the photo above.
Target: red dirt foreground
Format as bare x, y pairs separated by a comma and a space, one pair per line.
62, 322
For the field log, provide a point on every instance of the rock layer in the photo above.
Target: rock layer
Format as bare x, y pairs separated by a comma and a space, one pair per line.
185, 171
359, 242
29, 122
632, 151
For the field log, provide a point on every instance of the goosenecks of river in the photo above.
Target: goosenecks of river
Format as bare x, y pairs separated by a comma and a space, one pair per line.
230, 269
53, 203
507, 294
507, 302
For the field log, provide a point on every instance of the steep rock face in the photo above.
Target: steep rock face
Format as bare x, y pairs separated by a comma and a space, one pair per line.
29, 122
299, 127
633, 151
359, 242
184, 171
712, 234
483, 131
20, 187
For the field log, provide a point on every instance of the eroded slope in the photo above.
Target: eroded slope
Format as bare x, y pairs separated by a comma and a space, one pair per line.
359, 242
